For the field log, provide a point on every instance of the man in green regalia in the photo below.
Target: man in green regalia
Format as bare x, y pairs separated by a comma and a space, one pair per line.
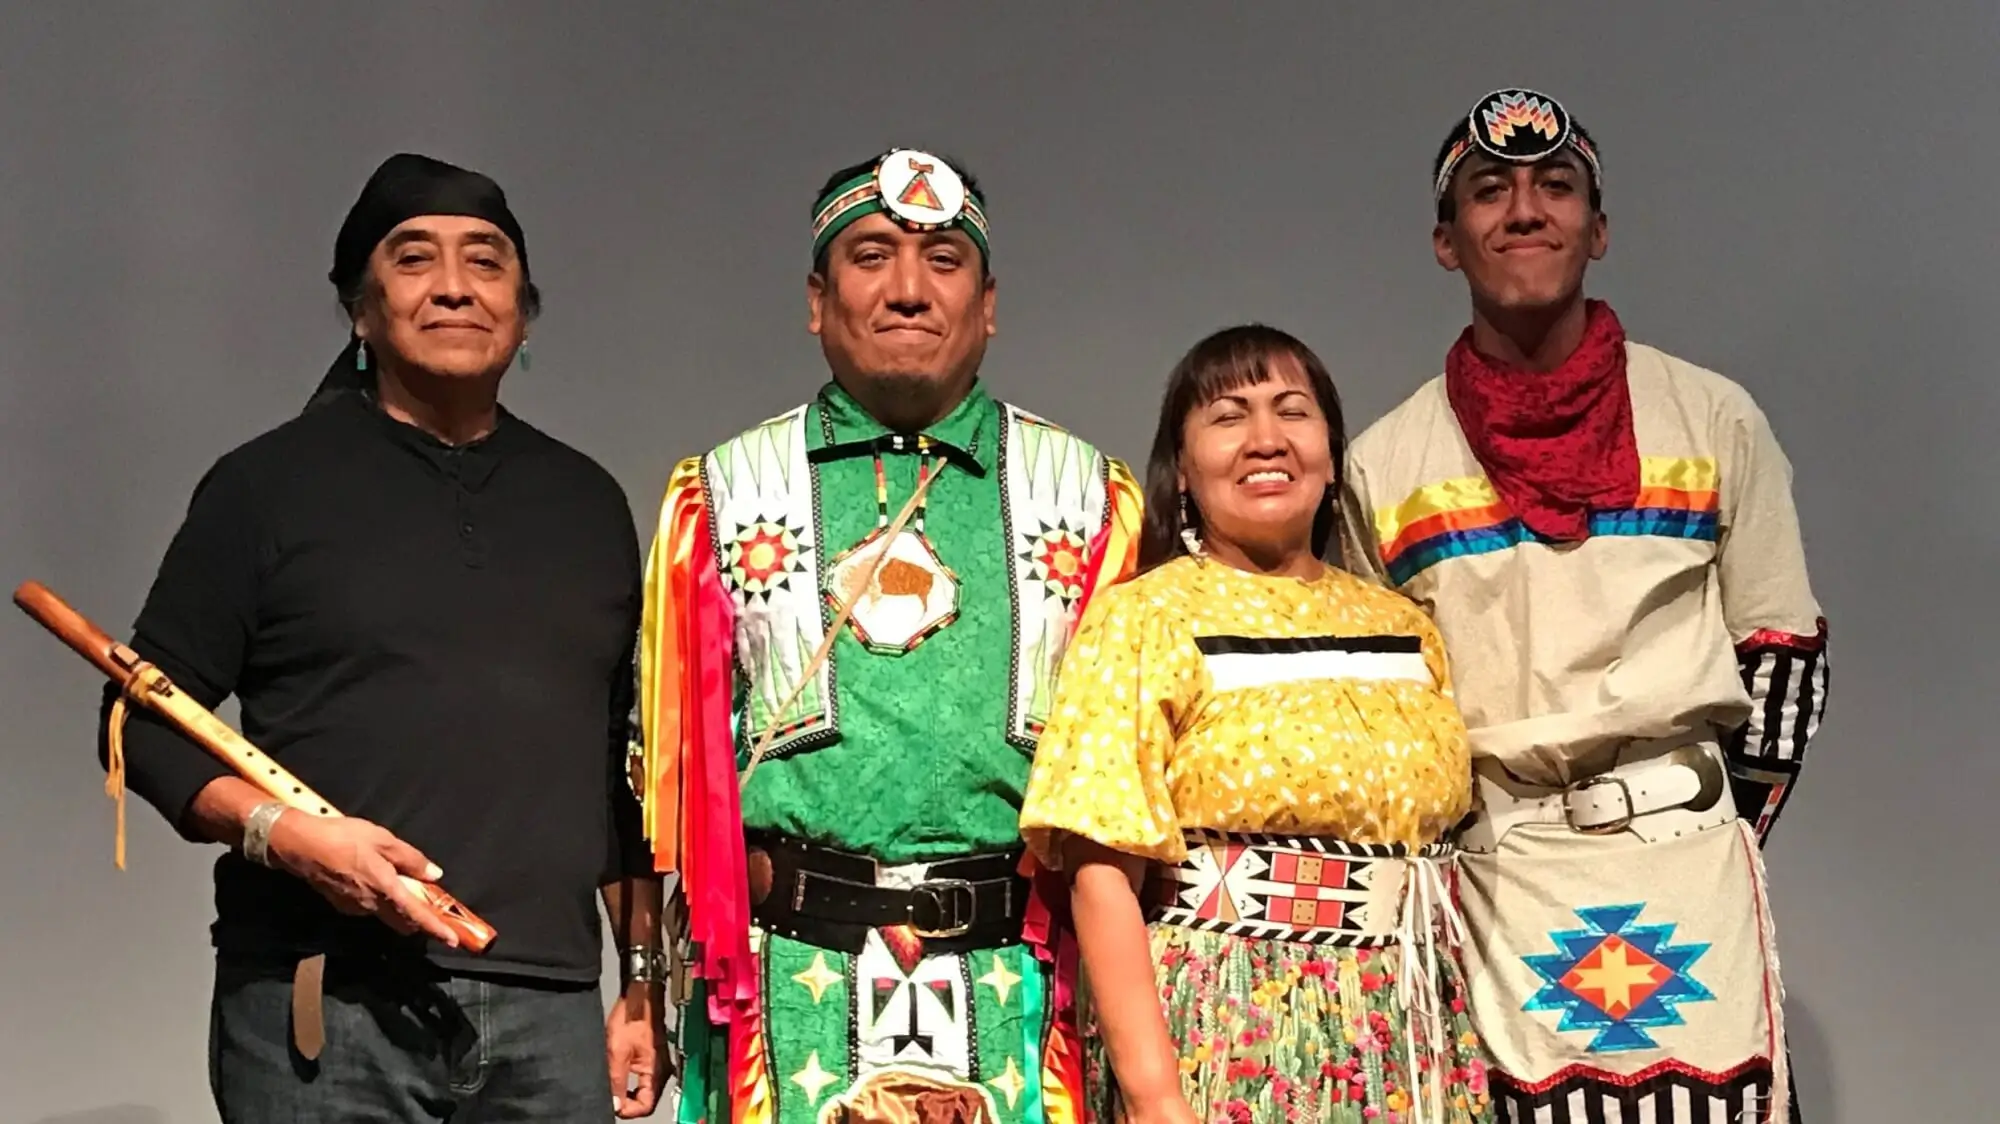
854, 613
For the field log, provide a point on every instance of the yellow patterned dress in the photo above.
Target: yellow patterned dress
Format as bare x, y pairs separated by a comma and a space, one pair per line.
1288, 753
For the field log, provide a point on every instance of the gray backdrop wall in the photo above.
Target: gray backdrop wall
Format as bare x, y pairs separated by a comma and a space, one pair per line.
1801, 197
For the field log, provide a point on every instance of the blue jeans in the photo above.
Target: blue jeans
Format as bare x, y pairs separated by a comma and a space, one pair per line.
405, 1046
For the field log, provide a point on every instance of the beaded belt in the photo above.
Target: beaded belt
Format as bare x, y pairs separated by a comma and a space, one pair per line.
1327, 892
1290, 887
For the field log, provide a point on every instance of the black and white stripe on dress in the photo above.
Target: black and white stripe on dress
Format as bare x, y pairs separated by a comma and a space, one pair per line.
1238, 662
1665, 1098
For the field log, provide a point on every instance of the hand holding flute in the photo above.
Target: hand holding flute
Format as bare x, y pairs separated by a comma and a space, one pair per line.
361, 868
358, 866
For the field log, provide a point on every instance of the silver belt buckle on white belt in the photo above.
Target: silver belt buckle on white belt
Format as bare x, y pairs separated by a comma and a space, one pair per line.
1601, 780
1707, 770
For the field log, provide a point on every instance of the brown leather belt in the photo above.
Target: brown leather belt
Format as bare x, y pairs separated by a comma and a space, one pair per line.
308, 1015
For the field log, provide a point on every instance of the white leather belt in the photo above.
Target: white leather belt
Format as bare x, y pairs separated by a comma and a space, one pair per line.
1676, 793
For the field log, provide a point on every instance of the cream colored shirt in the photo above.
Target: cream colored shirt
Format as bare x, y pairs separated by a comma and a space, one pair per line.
1561, 652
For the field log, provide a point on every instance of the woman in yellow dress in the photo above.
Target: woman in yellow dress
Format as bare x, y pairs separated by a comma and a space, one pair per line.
1253, 760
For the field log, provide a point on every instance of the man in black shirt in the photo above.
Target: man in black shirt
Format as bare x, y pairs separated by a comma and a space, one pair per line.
426, 609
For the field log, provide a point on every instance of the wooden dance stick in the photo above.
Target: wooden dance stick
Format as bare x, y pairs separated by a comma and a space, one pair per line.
149, 686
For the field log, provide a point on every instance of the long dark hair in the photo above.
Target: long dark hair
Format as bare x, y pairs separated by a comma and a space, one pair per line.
1228, 359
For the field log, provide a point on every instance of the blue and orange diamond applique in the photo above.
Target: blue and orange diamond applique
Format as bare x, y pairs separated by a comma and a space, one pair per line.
1617, 978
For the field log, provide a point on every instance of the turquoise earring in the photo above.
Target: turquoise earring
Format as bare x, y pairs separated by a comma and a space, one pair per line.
361, 356
526, 362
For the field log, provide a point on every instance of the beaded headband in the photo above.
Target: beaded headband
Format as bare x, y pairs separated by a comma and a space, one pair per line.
1520, 127
917, 190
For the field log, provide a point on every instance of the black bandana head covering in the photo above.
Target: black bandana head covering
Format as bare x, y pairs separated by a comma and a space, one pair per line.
1519, 127
403, 187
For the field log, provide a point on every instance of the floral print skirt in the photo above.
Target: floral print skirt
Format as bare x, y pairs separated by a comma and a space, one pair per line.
1280, 1032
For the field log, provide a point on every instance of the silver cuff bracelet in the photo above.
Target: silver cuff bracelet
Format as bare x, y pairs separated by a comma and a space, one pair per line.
257, 831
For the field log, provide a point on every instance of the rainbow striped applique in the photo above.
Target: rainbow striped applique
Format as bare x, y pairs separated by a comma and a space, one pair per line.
1456, 518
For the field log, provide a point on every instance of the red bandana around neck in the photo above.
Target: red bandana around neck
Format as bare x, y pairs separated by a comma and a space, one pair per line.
1556, 444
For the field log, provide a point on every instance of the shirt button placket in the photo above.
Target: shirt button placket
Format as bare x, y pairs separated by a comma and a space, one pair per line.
471, 545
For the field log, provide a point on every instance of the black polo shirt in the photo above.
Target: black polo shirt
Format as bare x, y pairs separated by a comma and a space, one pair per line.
438, 639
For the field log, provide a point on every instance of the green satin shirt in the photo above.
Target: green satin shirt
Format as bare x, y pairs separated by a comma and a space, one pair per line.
922, 769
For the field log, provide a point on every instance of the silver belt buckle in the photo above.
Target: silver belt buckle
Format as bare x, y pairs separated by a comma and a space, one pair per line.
1623, 821
952, 906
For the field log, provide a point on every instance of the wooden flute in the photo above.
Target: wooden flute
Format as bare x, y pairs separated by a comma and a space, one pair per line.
148, 686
